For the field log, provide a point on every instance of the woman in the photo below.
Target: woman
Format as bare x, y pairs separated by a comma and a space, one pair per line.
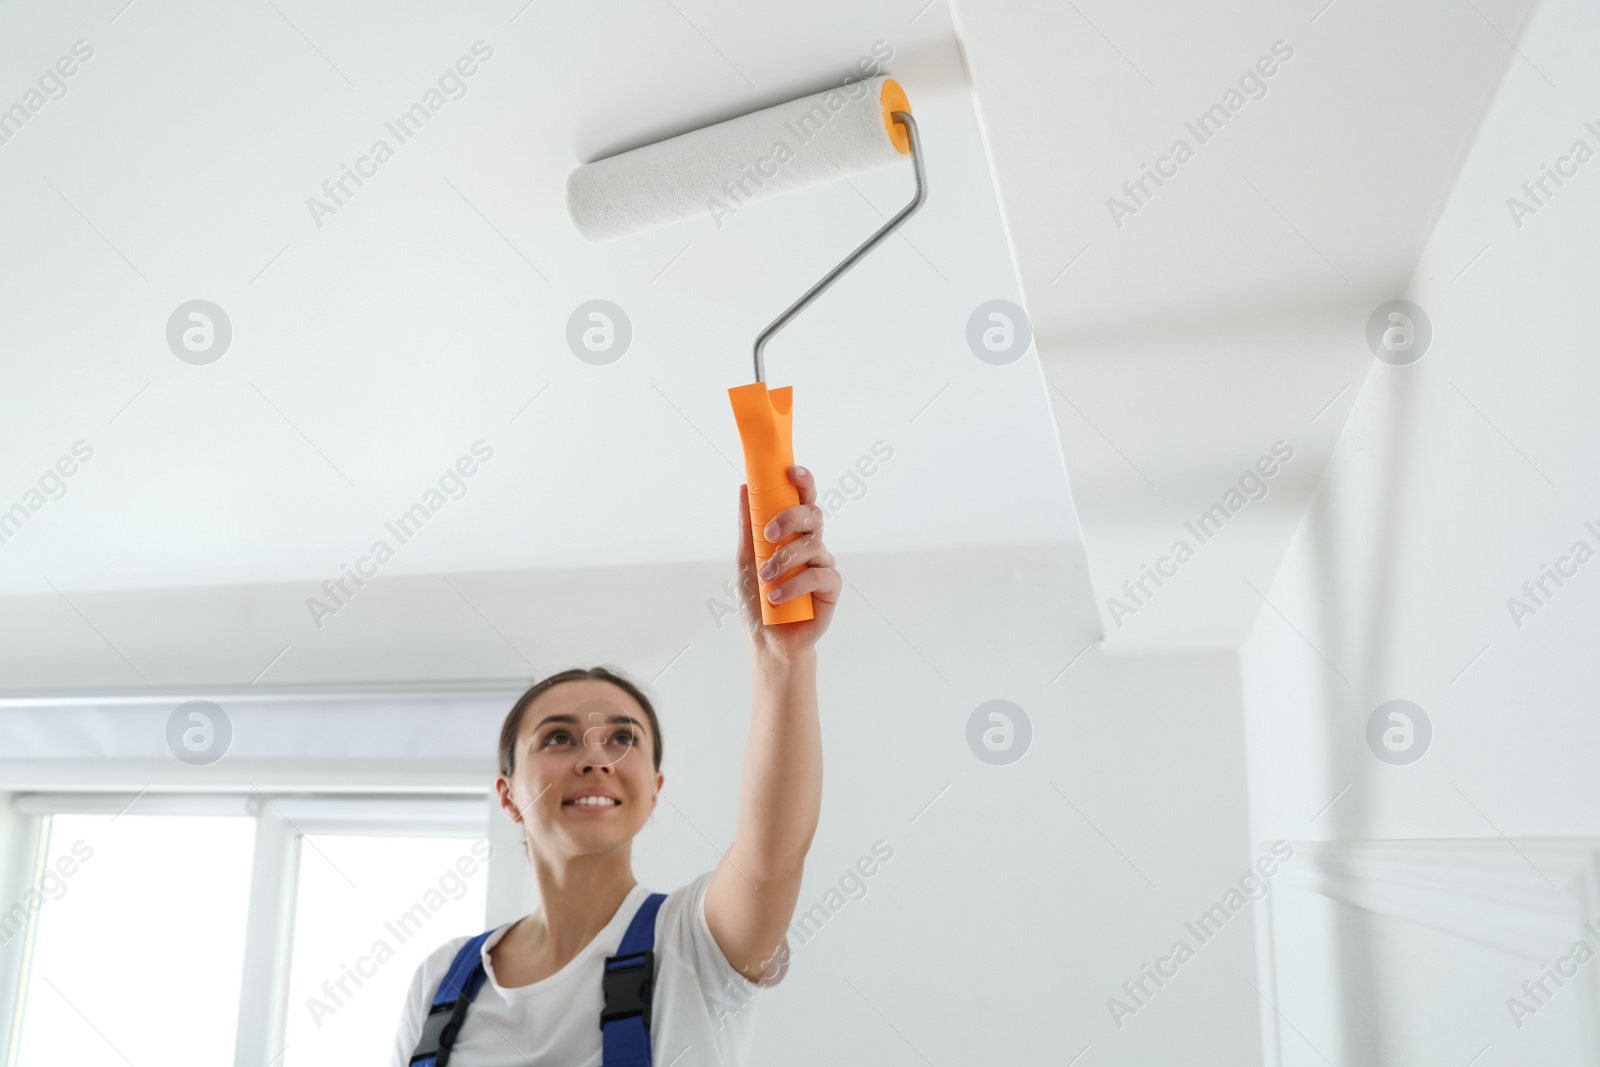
530, 993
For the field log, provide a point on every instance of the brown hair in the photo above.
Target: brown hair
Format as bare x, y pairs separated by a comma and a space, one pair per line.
513, 723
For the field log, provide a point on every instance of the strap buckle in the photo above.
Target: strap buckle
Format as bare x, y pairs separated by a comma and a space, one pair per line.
627, 985
439, 1031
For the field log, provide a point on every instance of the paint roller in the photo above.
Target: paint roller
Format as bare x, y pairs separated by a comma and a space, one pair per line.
819, 138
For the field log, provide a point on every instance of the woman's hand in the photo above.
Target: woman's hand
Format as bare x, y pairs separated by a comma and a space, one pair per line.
819, 578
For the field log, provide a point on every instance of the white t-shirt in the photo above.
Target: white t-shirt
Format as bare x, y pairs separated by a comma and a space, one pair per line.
702, 1010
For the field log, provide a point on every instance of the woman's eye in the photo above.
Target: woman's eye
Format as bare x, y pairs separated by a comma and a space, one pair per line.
624, 737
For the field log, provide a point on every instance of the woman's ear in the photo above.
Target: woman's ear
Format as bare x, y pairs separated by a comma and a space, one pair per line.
508, 803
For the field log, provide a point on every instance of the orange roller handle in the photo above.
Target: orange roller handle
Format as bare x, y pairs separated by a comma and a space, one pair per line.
765, 419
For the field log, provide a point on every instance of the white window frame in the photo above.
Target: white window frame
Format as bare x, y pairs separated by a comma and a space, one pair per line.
282, 820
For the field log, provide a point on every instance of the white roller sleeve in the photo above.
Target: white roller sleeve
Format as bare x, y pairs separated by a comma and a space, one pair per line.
720, 168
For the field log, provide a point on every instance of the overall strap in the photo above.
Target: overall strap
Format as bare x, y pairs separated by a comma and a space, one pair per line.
461, 983
627, 984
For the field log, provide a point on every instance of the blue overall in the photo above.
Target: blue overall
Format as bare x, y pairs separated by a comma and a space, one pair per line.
626, 985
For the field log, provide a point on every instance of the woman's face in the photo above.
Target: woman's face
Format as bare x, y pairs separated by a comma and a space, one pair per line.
582, 737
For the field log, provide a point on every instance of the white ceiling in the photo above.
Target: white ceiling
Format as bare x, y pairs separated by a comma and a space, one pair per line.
1229, 312
372, 351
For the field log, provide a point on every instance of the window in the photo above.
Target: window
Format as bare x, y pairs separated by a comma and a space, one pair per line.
212, 929
367, 911
138, 941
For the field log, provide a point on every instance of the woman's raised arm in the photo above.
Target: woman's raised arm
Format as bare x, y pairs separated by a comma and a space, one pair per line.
751, 897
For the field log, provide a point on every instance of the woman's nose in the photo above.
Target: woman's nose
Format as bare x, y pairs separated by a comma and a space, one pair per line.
593, 754
600, 750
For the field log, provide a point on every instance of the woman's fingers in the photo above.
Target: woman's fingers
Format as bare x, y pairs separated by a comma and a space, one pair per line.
801, 517
805, 549
816, 574
822, 582
807, 484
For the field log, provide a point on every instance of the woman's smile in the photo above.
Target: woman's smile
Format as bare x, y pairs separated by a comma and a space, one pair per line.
594, 798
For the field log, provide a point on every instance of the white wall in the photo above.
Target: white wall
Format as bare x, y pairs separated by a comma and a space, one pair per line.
1456, 478
1018, 899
